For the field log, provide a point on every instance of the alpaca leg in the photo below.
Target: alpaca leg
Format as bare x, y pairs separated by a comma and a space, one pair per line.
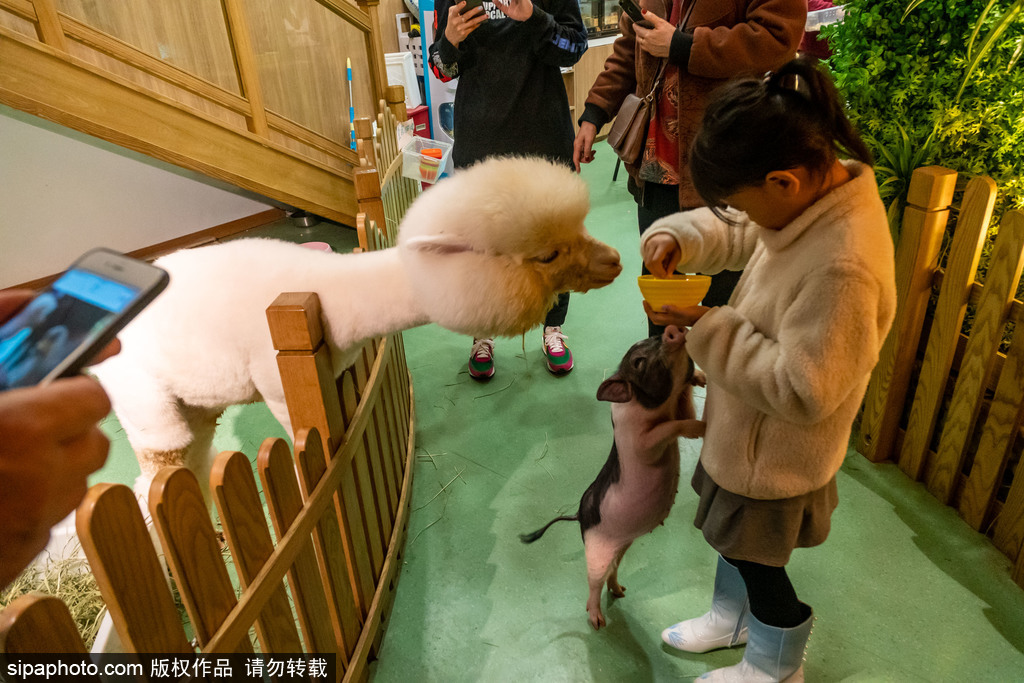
201, 452
189, 429
279, 409
150, 416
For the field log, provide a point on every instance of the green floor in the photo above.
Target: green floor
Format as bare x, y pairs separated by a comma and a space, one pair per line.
903, 589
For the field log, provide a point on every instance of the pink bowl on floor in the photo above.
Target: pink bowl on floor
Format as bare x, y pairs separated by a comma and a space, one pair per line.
317, 246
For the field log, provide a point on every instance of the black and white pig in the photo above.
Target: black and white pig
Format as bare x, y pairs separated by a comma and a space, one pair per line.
652, 397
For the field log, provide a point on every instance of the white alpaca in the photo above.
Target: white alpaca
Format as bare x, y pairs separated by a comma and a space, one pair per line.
482, 253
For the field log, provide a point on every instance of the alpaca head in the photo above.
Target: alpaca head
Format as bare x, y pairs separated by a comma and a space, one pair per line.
491, 246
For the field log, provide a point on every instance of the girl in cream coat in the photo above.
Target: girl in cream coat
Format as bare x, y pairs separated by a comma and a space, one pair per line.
789, 358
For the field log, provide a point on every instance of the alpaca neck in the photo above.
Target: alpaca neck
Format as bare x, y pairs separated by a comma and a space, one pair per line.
368, 295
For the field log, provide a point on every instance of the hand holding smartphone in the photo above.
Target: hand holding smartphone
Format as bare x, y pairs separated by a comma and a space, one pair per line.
632, 9
59, 331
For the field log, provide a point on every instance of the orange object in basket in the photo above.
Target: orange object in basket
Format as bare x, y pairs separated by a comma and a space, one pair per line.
433, 152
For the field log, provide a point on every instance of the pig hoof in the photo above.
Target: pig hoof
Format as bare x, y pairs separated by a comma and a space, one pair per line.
617, 591
597, 620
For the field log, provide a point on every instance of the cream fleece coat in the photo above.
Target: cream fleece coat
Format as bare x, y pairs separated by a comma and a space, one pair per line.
789, 358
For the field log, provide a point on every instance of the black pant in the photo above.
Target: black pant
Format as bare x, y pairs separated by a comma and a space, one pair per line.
556, 316
654, 201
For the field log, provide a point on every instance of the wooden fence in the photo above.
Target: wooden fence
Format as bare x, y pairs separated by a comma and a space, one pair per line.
338, 506
948, 406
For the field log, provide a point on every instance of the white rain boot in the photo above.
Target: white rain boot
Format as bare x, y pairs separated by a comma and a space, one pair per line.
773, 654
725, 625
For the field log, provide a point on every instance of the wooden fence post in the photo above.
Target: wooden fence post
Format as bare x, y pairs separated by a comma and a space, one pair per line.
394, 95
924, 221
305, 364
368, 196
968, 239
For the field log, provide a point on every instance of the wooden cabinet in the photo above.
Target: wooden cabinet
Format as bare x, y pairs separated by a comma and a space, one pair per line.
579, 78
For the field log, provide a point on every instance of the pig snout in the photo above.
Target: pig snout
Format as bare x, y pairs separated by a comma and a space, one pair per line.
673, 337
673, 347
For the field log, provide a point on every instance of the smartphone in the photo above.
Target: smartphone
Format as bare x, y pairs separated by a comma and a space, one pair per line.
631, 8
73, 319
470, 4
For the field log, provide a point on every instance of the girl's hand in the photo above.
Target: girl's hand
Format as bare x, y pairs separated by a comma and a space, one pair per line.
656, 40
661, 254
461, 25
520, 10
680, 317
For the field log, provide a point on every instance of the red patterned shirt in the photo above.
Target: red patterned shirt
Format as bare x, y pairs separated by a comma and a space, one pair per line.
661, 151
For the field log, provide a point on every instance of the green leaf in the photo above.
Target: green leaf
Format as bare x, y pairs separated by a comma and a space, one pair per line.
1002, 24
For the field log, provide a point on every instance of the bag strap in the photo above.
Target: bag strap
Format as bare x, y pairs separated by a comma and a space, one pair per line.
686, 17
664, 62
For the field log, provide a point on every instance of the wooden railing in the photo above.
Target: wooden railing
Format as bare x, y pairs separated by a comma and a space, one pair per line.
947, 406
251, 92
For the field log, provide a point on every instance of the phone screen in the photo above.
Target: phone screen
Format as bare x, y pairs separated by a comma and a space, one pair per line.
75, 311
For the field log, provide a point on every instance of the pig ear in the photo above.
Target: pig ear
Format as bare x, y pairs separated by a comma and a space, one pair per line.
438, 244
615, 390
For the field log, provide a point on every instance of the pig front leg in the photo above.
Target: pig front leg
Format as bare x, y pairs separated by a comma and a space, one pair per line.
660, 436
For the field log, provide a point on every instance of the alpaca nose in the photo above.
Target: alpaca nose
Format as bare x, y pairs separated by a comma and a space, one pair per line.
609, 259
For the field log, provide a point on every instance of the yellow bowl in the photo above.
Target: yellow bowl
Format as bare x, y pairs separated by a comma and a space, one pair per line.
679, 290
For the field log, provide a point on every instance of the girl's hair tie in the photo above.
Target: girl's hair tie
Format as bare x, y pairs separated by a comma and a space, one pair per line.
792, 82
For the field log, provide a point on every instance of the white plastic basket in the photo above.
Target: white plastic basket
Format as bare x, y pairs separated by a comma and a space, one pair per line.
419, 167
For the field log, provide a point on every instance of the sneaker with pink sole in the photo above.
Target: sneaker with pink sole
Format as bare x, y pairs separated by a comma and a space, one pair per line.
481, 359
556, 353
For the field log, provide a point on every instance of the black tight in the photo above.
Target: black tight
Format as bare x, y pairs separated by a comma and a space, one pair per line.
772, 597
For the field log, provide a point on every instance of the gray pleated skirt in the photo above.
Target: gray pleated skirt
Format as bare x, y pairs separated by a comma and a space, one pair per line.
762, 531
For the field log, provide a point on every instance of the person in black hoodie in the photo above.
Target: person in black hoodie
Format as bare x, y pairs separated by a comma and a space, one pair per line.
511, 100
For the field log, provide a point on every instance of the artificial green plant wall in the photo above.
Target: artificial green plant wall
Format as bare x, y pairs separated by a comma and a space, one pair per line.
903, 81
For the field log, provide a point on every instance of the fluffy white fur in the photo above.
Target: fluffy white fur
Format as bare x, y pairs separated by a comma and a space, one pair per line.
482, 253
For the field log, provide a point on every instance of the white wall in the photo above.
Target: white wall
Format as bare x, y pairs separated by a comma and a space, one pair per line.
63, 193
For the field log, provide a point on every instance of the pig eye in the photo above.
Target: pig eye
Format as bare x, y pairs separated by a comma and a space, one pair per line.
549, 258
639, 363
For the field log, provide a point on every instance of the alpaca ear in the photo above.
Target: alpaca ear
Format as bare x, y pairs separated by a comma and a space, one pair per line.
615, 390
438, 244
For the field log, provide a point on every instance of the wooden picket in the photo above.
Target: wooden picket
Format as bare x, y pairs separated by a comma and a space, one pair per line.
949, 407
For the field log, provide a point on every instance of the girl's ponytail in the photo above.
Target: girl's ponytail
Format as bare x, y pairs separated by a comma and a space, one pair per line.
792, 117
803, 77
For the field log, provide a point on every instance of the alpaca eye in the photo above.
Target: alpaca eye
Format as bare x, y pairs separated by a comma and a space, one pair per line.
549, 258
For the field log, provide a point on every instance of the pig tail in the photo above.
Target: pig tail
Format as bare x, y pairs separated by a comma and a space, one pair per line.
752, 126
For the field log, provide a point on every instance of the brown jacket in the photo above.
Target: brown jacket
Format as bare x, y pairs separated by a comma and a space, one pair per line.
729, 38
